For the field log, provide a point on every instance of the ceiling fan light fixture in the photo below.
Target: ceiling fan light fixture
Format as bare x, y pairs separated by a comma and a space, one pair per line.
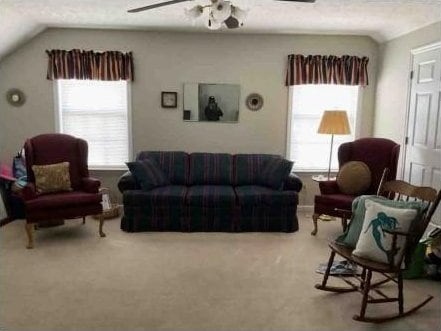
232, 23
238, 13
213, 24
221, 10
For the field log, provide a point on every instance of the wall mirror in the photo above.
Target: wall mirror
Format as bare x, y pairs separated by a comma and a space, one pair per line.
211, 102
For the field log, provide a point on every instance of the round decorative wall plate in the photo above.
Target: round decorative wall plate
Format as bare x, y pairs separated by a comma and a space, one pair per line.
254, 102
15, 97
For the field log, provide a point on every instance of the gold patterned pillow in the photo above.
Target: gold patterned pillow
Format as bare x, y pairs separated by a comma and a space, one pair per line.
52, 177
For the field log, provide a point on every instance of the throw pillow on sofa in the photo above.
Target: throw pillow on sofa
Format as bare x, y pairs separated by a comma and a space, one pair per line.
275, 172
375, 244
148, 174
51, 178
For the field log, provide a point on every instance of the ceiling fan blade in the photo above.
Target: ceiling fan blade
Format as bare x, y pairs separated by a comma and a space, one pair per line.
308, 1
156, 5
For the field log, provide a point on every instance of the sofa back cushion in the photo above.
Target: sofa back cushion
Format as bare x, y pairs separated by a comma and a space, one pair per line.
173, 164
210, 169
248, 168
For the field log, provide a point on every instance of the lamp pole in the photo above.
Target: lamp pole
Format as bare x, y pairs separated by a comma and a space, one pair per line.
330, 156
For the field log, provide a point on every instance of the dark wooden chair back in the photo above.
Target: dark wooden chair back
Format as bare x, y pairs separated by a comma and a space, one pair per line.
400, 190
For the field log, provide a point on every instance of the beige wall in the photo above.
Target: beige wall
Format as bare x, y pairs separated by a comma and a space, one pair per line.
393, 79
164, 61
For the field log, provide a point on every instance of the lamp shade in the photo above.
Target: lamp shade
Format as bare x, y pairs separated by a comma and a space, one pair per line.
334, 122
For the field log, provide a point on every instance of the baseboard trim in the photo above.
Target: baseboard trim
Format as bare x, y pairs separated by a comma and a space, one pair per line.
305, 208
5, 221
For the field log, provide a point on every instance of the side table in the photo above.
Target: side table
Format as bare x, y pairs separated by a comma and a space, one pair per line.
325, 218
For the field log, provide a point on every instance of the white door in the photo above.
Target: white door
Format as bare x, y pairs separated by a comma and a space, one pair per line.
423, 142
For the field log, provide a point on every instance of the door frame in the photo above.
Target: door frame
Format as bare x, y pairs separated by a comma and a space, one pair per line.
413, 52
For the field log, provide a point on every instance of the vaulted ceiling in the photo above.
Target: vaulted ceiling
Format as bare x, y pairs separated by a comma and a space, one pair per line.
20, 20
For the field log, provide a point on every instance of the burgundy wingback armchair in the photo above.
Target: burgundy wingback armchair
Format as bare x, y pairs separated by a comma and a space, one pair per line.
83, 200
378, 153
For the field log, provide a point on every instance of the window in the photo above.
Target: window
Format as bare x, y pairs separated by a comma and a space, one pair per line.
305, 146
98, 112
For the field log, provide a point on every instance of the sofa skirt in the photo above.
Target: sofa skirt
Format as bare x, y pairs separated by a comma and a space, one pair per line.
263, 218
252, 218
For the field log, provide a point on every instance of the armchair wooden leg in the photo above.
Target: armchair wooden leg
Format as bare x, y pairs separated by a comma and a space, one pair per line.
29, 231
314, 220
84, 219
102, 234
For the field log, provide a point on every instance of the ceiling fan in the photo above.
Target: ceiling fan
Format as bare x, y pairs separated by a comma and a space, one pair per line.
220, 12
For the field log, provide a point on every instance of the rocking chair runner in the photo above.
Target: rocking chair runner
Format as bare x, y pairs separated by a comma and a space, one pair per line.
392, 272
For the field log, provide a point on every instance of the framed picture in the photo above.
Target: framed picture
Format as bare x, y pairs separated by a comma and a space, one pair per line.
169, 99
215, 103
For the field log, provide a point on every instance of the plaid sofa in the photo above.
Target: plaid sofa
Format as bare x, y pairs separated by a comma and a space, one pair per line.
209, 192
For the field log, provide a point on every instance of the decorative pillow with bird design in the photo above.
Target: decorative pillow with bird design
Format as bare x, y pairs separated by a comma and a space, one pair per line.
376, 245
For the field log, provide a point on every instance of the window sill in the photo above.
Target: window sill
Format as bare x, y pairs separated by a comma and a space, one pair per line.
313, 171
108, 168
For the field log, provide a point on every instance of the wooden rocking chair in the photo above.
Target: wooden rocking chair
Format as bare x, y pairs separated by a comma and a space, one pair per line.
395, 189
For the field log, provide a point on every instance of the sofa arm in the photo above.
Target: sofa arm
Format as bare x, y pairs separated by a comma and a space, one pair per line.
127, 182
29, 192
329, 187
292, 183
90, 185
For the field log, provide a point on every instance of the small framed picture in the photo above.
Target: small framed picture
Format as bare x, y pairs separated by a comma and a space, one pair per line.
169, 99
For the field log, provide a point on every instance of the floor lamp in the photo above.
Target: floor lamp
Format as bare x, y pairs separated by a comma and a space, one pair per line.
334, 122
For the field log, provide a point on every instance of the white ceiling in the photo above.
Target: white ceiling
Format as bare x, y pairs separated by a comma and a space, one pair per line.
20, 20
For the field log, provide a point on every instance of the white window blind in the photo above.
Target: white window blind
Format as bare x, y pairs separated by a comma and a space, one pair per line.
98, 112
306, 147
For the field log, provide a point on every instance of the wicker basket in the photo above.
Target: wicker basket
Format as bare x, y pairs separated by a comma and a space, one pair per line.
114, 209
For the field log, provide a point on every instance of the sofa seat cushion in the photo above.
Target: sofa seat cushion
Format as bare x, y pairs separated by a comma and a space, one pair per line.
211, 196
63, 200
161, 196
257, 195
340, 201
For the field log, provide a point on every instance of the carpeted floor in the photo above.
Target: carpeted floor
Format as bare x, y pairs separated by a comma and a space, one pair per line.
74, 280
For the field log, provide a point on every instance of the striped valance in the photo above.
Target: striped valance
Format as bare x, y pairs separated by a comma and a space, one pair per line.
323, 69
80, 64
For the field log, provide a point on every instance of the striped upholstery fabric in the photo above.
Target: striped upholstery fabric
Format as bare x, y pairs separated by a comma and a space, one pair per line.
211, 196
210, 219
247, 167
211, 169
202, 196
322, 69
173, 164
148, 174
263, 218
161, 209
258, 195
275, 172
153, 218
80, 64
172, 195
